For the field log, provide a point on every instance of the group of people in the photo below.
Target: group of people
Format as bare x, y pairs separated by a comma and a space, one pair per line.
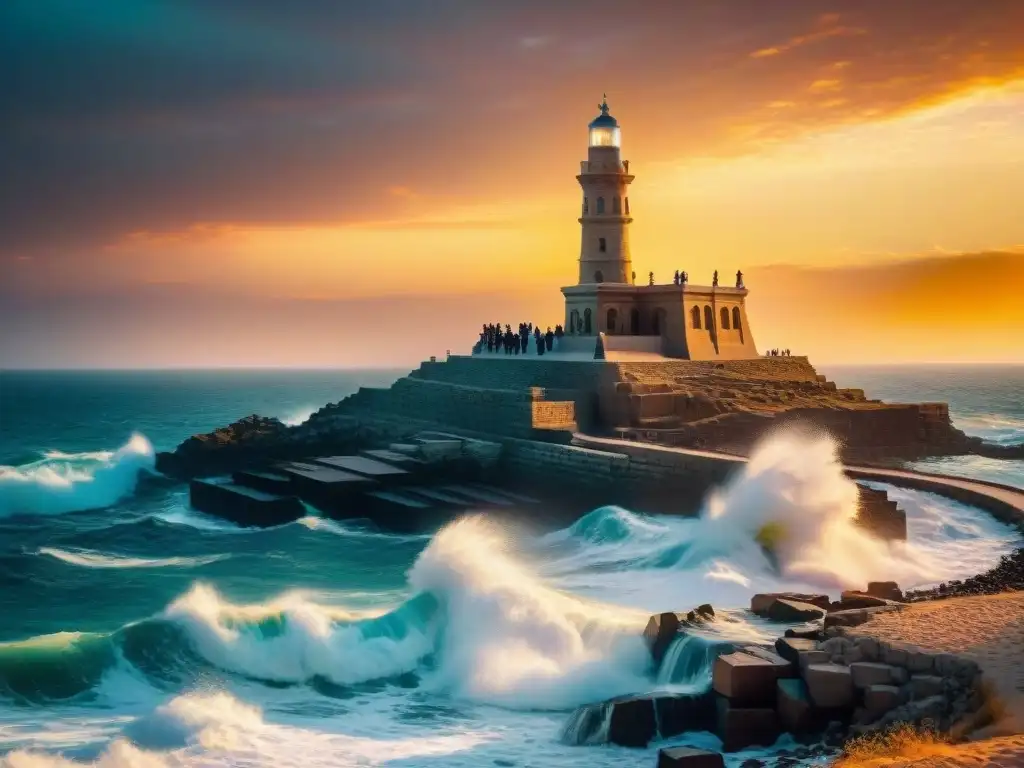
777, 353
494, 339
682, 278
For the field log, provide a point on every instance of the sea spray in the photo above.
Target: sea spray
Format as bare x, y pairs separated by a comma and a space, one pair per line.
508, 638
86, 558
793, 496
65, 482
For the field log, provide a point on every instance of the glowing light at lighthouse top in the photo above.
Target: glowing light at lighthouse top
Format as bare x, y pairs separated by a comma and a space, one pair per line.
604, 129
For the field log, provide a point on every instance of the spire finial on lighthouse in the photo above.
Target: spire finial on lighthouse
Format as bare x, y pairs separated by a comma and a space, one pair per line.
603, 106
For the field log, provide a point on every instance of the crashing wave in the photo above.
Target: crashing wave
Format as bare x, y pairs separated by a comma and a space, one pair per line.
66, 482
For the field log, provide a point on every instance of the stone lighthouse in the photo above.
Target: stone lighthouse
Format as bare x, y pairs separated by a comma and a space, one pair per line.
605, 179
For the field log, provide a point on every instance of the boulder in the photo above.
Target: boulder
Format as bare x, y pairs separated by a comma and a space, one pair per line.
812, 657
633, 722
792, 611
924, 686
853, 599
868, 648
689, 757
663, 628
806, 634
879, 699
684, 712
745, 678
790, 648
659, 633
887, 590
793, 705
868, 673
920, 662
742, 727
830, 685
760, 603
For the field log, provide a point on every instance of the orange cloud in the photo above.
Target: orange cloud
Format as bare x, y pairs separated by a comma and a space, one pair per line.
827, 26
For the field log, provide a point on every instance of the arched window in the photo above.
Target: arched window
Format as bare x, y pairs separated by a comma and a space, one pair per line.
602, 245
736, 318
613, 319
600, 206
586, 321
586, 206
627, 206
599, 276
574, 320
709, 318
724, 325
695, 317
634, 321
616, 205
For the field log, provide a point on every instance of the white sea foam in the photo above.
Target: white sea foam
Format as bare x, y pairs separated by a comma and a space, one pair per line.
62, 482
298, 416
89, 559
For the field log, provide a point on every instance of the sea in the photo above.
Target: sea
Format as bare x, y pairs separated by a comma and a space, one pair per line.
135, 631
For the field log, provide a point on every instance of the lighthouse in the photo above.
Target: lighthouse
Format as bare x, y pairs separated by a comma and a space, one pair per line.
605, 218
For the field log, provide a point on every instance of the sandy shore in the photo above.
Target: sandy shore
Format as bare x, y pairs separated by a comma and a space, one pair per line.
988, 629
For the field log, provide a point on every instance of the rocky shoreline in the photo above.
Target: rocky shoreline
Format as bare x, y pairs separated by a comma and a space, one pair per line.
814, 683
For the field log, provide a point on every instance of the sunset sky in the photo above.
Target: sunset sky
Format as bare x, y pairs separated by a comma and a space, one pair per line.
316, 183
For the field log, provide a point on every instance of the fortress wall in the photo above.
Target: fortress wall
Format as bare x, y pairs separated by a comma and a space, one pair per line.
519, 413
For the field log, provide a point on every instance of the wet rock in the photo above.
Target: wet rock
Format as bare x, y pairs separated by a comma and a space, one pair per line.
633, 722
745, 678
805, 634
689, 757
792, 611
793, 705
760, 603
790, 648
742, 727
683, 712
659, 633
868, 673
663, 628
830, 685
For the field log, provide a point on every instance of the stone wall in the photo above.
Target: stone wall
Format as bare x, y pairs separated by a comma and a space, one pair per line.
526, 413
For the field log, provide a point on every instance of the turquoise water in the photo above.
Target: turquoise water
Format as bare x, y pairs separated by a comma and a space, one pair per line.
134, 630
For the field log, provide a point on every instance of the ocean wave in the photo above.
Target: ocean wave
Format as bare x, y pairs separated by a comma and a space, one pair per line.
62, 482
298, 416
89, 559
994, 427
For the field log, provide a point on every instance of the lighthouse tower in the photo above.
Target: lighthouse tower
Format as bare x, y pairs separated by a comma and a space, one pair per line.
605, 179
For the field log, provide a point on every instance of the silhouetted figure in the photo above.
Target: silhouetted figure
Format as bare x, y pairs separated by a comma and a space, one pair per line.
714, 280
634, 278
539, 339
685, 278
549, 339
676, 278
739, 279
651, 276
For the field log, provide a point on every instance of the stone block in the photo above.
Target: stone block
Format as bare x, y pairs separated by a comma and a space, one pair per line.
790, 648
868, 673
759, 603
659, 633
830, 685
879, 699
868, 648
742, 727
895, 656
846, 618
633, 722
812, 657
923, 686
920, 662
887, 590
793, 704
854, 599
792, 611
745, 678
689, 757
